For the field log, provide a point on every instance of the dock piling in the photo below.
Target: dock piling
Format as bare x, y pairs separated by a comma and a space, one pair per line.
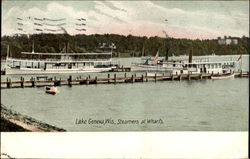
22, 81
95, 79
180, 77
115, 78
69, 81
201, 76
87, 80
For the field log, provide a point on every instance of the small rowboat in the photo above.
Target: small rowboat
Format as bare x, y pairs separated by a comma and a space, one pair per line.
51, 90
223, 76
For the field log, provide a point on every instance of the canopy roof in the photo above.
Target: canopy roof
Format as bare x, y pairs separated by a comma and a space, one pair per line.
64, 54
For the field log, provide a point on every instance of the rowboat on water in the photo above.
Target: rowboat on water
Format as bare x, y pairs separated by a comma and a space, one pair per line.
51, 90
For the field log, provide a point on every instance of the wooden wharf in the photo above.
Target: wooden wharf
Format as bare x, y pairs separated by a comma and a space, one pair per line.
36, 82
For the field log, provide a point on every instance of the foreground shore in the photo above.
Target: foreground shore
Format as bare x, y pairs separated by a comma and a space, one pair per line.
12, 121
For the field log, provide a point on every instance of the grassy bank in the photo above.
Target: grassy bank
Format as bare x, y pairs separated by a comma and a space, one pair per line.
12, 121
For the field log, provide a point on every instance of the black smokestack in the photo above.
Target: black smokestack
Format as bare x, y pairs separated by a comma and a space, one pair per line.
167, 48
190, 55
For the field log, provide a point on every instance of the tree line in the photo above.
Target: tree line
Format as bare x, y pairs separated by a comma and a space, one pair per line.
125, 46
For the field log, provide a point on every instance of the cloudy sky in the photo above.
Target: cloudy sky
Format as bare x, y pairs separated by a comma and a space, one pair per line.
186, 19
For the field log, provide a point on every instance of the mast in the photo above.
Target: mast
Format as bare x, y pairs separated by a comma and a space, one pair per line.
167, 43
8, 50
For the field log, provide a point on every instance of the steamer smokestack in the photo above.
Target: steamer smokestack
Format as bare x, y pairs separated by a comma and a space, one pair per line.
190, 55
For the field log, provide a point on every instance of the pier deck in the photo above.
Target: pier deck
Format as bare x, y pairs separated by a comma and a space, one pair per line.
35, 82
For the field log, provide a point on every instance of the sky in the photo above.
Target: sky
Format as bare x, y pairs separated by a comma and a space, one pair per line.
185, 19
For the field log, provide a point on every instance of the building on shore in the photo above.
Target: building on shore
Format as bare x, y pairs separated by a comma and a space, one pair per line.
228, 40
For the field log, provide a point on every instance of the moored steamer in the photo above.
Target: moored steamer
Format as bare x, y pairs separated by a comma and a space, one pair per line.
46, 63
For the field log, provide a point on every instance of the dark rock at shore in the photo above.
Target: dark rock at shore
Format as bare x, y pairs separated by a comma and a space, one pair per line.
7, 125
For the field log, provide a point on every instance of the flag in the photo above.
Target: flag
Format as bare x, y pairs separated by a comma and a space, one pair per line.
239, 58
156, 58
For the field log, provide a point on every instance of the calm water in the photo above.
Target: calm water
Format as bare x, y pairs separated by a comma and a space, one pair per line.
199, 105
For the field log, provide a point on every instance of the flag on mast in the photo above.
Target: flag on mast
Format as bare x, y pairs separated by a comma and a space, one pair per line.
156, 58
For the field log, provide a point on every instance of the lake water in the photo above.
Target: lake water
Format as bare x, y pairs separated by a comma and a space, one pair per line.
197, 105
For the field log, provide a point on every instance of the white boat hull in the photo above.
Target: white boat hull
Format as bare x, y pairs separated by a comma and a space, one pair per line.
13, 71
223, 76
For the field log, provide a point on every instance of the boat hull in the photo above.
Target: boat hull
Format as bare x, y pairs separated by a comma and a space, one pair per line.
13, 71
223, 76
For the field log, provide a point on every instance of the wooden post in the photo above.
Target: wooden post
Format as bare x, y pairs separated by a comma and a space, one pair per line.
95, 79
142, 78
146, 77
33, 82
22, 81
180, 77
8, 83
189, 78
155, 77
241, 73
201, 76
115, 78
172, 77
108, 78
69, 80
122, 68
132, 78
87, 80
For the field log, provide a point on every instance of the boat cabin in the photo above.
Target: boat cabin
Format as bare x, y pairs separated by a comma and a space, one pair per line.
216, 67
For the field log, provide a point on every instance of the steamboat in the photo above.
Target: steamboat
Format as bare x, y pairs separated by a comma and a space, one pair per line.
47, 63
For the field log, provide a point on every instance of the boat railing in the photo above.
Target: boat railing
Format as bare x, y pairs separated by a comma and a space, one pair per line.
59, 60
